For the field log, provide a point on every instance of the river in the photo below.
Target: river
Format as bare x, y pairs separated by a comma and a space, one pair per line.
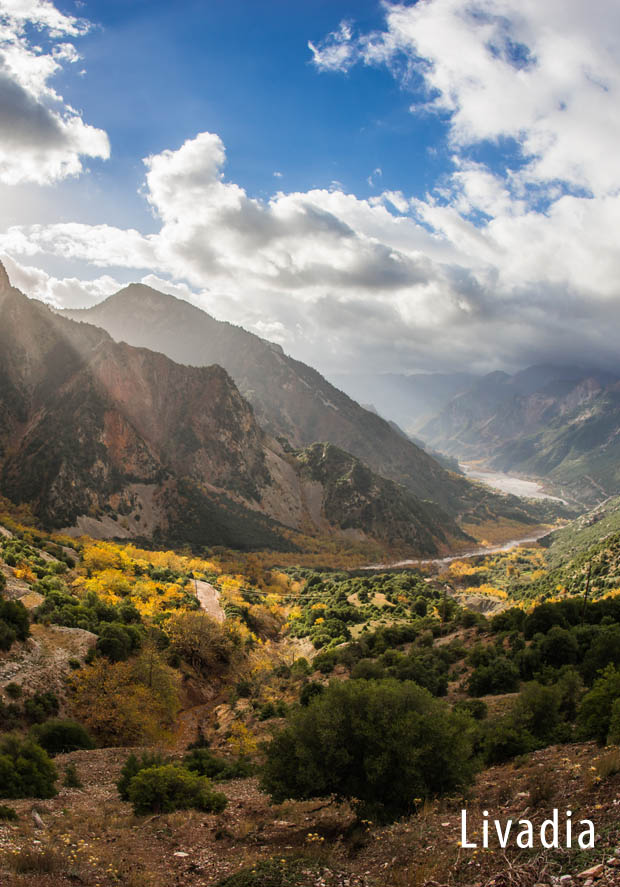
508, 483
505, 483
473, 552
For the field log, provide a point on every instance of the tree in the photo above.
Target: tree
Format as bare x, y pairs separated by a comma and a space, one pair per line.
201, 641
57, 736
559, 647
537, 710
595, 713
127, 703
379, 743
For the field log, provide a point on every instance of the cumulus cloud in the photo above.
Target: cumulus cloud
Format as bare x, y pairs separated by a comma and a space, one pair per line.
505, 263
42, 138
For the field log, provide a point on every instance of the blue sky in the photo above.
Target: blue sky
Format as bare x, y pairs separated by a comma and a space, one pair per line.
157, 73
398, 187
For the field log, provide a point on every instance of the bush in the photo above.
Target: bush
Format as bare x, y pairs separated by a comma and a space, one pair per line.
267, 711
503, 740
170, 787
72, 778
40, 707
117, 642
14, 623
538, 711
8, 814
310, 691
132, 767
127, 703
25, 770
205, 763
559, 647
594, 717
201, 641
500, 676
380, 742
476, 708
58, 737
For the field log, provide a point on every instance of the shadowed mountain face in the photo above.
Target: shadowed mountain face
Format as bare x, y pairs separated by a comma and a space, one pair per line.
290, 400
561, 423
118, 441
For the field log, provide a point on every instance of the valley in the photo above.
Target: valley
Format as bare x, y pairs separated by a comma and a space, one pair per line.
252, 634
495, 649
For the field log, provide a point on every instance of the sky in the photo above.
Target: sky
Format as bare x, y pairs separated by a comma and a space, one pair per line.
377, 187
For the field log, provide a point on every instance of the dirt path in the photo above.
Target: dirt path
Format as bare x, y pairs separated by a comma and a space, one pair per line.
209, 597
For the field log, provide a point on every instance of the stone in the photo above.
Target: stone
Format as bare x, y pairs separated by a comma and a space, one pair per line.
595, 872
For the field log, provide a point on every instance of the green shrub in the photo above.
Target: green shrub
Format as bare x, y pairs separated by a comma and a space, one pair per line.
13, 691
25, 769
503, 740
383, 743
476, 708
500, 676
117, 642
14, 623
132, 766
171, 787
205, 763
58, 737
267, 711
40, 707
538, 711
310, 691
8, 814
594, 717
72, 778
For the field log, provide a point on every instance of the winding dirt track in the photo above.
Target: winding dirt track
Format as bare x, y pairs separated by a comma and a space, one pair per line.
209, 598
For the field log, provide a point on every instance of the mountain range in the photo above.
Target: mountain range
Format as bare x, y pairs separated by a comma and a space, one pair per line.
292, 401
557, 423
119, 440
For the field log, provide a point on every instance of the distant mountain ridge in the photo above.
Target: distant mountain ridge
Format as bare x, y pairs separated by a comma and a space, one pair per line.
291, 400
560, 423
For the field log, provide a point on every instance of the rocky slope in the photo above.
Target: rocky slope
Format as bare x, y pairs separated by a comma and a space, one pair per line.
117, 441
292, 400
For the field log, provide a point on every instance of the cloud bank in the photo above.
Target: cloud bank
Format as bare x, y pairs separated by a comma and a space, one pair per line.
42, 138
507, 262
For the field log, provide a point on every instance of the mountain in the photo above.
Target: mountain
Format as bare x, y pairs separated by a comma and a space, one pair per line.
292, 401
559, 423
410, 400
116, 441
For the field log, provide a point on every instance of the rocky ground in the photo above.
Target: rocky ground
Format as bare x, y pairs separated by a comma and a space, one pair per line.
88, 836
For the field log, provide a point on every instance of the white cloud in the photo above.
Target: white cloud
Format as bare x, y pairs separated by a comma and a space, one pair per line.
67, 292
42, 138
504, 264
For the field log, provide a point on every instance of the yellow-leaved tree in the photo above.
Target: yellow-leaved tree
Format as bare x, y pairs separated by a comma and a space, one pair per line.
127, 703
